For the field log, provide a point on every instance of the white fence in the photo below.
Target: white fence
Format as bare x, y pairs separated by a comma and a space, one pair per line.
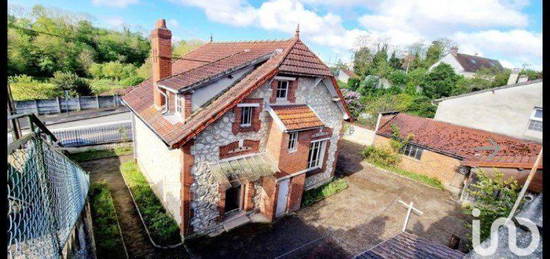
59, 104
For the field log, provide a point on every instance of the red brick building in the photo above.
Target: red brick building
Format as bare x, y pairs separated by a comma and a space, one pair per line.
450, 152
235, 131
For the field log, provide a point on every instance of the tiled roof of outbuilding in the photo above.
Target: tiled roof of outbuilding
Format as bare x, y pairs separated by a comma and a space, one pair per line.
461, 142
405, 245
296, 117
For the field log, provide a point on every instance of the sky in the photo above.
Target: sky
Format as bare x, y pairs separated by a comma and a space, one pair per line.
507, 30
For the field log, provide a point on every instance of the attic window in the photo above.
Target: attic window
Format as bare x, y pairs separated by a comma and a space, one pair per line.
535, 122
282, 89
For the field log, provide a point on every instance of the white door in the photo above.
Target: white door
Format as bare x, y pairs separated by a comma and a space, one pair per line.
282, 197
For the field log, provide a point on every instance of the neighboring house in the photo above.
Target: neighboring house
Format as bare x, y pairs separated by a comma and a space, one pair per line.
236, 130
532, 211
513, 110
344, 75
448, 152
467, 65
406, 245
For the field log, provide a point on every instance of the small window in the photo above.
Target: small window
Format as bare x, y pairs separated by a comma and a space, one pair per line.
316, 154
411, 151
292, 141
246, 116
535, 122
282, 89
178, 103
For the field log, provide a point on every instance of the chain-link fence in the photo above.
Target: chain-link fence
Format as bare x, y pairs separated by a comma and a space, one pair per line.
46, 193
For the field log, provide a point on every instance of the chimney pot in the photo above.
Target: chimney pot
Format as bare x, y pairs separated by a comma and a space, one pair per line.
161, 23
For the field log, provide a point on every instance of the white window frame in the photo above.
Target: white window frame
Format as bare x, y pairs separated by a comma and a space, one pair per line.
317, 161
179, 106
292, 141
280, 89
412, 151
534, 120
246, 114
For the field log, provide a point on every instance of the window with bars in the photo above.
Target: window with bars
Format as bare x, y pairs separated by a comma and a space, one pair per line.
316, 154
246, 116
535, 122
292, 141
179, 107
411, 151
282, 89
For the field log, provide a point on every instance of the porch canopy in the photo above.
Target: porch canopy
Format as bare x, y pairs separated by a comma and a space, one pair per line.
232, 172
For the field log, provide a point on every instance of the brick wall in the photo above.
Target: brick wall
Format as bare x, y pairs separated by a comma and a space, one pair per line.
186, 194
274, 142
430, 164
232, 149
295, 193
267, 207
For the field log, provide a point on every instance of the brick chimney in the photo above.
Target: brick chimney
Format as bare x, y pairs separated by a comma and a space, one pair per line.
161, 55
454, 51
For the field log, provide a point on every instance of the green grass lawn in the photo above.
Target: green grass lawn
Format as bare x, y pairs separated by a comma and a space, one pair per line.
164, 229
414, 176
106, 231
98, 154
314, 195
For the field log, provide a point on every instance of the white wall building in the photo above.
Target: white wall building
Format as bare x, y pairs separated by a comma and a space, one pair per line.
513, 110
467, 65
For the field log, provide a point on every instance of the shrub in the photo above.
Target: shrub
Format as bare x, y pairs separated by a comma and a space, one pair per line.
24, 87
131, 81
324, 191
164, 229
105, 86
383, 155
72, 83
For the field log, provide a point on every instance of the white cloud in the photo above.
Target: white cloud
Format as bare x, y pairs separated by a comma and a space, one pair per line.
114, 21
114, 3
490, 27
172, 23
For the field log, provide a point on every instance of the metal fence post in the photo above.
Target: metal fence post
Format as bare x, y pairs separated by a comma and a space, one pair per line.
115, 104
97, 101
58, 104
79, 104
36, 106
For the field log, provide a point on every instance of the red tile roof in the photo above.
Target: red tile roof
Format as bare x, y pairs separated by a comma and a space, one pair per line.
407, 245
296, 117
461, 142
211, 59
349, 73
474, 63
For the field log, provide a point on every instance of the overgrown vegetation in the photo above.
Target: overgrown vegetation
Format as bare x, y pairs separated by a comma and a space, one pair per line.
99, 154
164, 229
414, 176
314, 195
58, 50
106, 231
412, 85
494, 196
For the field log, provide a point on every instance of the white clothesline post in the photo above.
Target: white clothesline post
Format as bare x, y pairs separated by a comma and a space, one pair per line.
410, 208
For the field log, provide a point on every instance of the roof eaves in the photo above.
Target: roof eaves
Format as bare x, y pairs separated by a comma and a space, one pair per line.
488, 90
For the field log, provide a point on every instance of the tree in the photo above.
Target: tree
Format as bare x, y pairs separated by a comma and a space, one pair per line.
398, 78
362, 60
183, 47
394, 62
440, 82
434, 53
72, 83
493, 196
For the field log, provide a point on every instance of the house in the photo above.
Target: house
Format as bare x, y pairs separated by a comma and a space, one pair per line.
450, 152
406, 245
513, 110
235, 131
344, 75
468, 65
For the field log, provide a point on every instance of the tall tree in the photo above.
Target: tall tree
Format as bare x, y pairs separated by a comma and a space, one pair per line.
394, 62
362, 59
440, 82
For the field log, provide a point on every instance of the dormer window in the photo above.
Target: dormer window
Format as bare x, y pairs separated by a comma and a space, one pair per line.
535, 122
282, 89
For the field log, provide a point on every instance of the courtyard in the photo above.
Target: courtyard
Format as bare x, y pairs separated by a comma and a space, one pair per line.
343, 225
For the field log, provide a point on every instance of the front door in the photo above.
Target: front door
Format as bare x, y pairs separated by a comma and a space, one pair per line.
233, 198
282, 197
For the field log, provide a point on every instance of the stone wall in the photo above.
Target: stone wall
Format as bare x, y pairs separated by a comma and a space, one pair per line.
161, 167
359, 134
